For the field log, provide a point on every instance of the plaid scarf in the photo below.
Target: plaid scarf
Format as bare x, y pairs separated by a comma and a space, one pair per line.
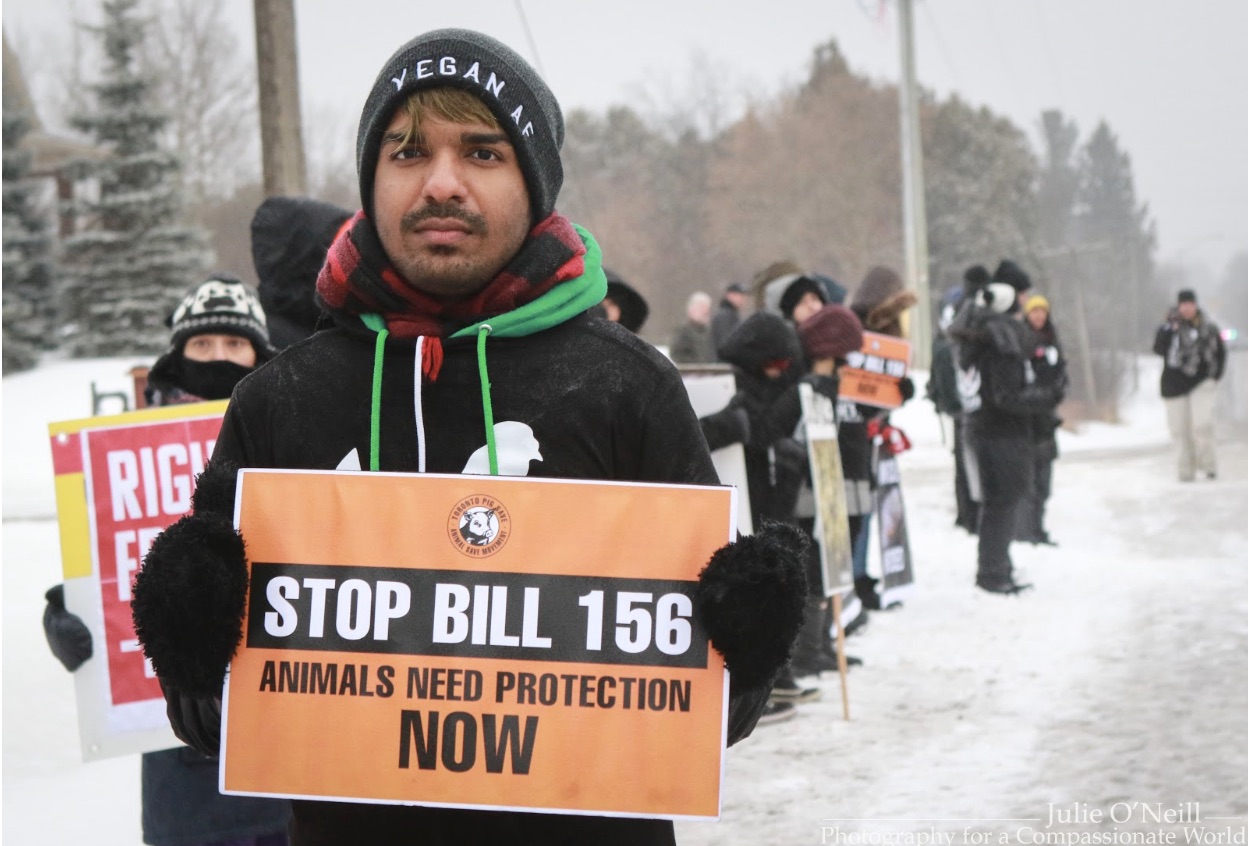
357, 278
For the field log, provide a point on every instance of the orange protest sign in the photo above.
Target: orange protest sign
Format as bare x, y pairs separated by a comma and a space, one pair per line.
475, 641
872, 375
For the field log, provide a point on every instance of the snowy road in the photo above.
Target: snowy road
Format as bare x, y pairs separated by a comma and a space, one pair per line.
1122, 678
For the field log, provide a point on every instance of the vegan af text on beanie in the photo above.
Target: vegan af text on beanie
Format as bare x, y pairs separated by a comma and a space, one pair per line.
508, 86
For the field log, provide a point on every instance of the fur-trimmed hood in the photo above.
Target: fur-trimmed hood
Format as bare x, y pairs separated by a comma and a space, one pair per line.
880, 301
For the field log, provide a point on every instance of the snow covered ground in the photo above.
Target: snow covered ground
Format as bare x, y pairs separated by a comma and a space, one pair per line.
1119, 682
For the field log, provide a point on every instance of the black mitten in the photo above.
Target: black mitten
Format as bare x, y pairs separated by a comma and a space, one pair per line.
751, 597
906, 386
67, 634
214, 489
188, 602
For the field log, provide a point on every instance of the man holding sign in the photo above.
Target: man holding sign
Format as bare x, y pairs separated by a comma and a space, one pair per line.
460, 344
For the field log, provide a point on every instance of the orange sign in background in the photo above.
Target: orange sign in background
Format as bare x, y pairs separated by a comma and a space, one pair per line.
872, 375
476, 641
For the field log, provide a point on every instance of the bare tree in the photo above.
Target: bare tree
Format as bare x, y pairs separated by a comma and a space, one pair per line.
208, 89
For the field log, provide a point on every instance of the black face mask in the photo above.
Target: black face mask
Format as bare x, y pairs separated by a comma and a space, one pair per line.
210, 380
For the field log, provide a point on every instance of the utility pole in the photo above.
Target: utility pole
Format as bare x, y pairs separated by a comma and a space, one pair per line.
915, 220
281, 126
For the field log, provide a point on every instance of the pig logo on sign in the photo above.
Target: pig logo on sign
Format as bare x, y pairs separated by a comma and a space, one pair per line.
479, 525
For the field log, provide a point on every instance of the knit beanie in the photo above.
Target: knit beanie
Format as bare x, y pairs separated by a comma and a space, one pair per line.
493, 72
1036, 301
222, 305
1187, 295
1013, 275
798, 288
832, 332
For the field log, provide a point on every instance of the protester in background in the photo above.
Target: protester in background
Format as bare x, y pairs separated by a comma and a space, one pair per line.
835, 291
1195, 358
767, 362
457, 256
1049, 367
691, 343
1011, 274
769, 282
879, 301
728, 314
219, 335
827, 337
942, 390
1000, 399
801, 298
290, 237
623, 304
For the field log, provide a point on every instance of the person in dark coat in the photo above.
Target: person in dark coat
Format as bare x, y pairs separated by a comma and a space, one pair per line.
767, 361
290, 237
457, 259
219, 335
1049, 366
691, 342
728, 314
879, 301
942, 390
1194, 357
1000, 398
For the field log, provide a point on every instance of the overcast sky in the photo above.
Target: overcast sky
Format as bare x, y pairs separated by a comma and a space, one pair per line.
1165, 74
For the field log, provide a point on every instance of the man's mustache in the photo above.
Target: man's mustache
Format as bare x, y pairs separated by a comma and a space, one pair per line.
442, 211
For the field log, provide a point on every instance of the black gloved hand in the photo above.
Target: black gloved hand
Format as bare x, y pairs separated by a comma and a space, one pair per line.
188, 602
906, 384
751, 597
745, 706
68, 636
196, 720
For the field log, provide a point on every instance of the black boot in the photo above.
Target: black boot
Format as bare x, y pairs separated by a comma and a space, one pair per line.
786, 689
809, 658
864, 586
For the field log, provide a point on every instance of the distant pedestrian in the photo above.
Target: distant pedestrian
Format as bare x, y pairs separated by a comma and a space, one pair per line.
691, 343
1195, 358
728, 313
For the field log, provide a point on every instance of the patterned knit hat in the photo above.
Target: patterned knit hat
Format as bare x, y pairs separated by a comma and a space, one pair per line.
222, 305
493, 72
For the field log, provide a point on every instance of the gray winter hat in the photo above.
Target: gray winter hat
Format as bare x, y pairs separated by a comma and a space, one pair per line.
489, 69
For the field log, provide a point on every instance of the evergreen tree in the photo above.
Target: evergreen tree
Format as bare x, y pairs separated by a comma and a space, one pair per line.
1059, 177
979, 181
27, 252
1120, 237
133, 254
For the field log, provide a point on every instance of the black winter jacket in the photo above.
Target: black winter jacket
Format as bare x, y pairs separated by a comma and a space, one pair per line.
997, 384
585, 399
1193, 351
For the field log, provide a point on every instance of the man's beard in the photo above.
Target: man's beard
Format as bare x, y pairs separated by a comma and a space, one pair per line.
449, 271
